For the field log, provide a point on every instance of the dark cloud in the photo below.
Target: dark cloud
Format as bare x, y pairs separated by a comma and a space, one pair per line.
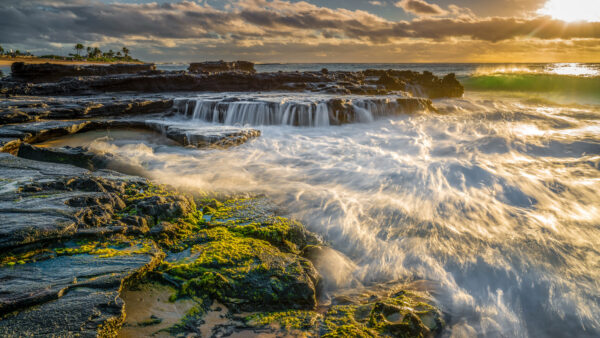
420, 7
255, 24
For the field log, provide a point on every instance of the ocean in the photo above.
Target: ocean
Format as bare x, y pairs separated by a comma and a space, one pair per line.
493, 198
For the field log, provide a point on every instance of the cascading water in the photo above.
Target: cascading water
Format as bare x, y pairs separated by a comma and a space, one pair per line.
299, 111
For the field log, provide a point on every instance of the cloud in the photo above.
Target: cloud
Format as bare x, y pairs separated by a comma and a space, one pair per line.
252, 25
420, 7
377, 3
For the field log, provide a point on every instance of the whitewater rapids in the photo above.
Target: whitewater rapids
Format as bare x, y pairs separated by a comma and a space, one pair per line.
494, 199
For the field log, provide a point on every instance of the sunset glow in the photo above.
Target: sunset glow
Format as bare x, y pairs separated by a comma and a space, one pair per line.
572, 10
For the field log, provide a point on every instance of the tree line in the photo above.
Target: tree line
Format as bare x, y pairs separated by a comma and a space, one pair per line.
95, 52
91, 54
13, 53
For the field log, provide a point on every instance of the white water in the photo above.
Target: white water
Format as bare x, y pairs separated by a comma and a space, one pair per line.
308, 110
495, 199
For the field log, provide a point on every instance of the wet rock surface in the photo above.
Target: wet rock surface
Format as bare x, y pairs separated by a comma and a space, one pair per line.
65, 254
14, 135
29, 109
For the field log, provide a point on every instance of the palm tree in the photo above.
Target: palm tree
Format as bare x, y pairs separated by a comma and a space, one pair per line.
125, 51
78, 48
89, 51
96, 52
1, 50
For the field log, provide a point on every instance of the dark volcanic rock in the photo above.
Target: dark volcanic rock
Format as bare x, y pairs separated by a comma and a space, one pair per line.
221, 137
77, 156
222, 66
48, 72
78, 292
19, 110
391, 83
12, 137
427, 83
326, 82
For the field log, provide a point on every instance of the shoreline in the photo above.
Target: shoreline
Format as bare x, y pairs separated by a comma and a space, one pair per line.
4, 61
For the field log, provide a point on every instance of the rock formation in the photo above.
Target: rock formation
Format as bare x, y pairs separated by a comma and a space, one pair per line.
222, 66
48, 72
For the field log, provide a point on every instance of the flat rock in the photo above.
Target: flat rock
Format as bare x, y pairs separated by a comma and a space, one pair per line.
12, 137
27, 109
76, 294
205, 136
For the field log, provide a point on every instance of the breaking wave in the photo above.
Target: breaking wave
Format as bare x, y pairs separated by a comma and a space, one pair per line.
573, 82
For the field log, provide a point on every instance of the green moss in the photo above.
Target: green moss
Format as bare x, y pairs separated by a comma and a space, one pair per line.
134, 192
106, 249
191, 319
382, 318
11, 259
287, 320
238, 271
244, 216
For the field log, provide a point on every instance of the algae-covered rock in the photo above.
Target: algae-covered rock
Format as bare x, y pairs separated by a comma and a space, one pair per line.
256, 217
362, 312
244, 256
244, 273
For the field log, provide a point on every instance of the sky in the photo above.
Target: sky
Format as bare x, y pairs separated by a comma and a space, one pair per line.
311, 30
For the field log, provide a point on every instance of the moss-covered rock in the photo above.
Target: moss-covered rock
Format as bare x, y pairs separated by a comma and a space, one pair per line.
244, 272
401, 314
255, 217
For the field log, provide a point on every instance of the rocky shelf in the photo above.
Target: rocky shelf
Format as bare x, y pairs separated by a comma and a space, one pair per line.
34, 81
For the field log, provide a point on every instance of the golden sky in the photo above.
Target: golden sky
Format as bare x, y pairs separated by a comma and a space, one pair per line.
312, 31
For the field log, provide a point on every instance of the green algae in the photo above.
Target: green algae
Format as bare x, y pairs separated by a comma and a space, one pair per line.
288, 320
101, 249
139, 191
244, 216
239, 271
401, 315
106, 249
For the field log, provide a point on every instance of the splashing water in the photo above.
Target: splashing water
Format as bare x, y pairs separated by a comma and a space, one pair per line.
494, 199
308, 110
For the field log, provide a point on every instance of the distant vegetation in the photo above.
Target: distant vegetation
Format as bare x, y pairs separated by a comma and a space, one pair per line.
82, 53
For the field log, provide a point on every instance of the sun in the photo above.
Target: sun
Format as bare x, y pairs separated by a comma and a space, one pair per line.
572, 10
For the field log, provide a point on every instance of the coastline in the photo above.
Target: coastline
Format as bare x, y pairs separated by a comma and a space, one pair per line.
4, 61
204, 255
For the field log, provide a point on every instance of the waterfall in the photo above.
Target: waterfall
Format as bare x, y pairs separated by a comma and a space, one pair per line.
299, 112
